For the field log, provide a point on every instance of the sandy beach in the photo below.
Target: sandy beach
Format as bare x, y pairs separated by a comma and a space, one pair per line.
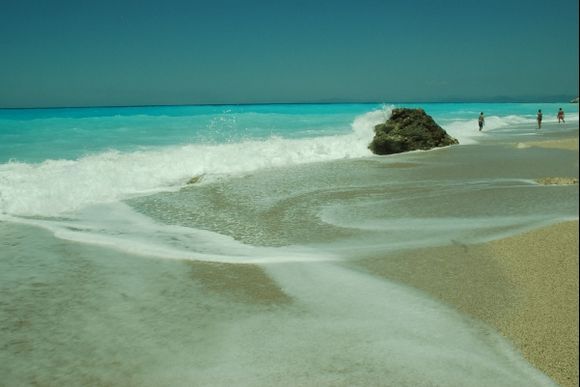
526, 286
566, 144
280, 194
453, 267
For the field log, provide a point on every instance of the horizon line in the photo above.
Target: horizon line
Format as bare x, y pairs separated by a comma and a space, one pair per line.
551, 99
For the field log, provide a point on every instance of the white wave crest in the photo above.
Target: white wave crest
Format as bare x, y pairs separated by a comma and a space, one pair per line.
55, 187
467, 131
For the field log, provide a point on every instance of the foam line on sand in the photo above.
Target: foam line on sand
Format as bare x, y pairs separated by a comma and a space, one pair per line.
526, 286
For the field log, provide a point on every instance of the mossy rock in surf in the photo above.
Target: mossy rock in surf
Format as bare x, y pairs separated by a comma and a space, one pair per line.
407, 130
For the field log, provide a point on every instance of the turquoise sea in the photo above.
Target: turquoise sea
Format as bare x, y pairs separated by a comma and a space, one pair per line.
114, 270
37, 135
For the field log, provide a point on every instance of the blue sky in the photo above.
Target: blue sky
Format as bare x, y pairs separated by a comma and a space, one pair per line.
83, 53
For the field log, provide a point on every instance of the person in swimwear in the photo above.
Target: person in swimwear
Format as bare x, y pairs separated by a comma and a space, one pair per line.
539, 118
481, 121
561, 116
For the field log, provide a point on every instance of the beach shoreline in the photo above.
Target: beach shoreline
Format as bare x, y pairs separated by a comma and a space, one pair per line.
525, 286
449, 267
570, 143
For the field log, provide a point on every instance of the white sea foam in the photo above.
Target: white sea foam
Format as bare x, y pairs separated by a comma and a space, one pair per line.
55, 187
119, 227
397, 336
343, 326
467, 131
403, 233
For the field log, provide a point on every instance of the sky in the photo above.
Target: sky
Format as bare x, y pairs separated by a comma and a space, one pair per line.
56, 53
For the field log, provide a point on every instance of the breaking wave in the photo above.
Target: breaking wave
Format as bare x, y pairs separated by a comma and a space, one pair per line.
55, 187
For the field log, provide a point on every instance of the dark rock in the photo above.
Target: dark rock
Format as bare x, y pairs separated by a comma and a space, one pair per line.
407, 130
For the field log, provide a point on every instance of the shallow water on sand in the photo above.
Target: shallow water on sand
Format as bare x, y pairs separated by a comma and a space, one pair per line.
114, 271
261, 290
82, 315
467, 192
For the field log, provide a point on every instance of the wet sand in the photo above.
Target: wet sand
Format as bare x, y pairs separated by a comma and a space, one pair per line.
563, 144
240, 282
526, 286
566, 144
118, 313
557, 180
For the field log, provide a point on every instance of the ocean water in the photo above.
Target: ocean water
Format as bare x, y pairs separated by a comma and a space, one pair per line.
115, 270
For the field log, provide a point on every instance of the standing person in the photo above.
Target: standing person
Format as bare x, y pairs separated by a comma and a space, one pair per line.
561, 116
539, 118
481, 121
